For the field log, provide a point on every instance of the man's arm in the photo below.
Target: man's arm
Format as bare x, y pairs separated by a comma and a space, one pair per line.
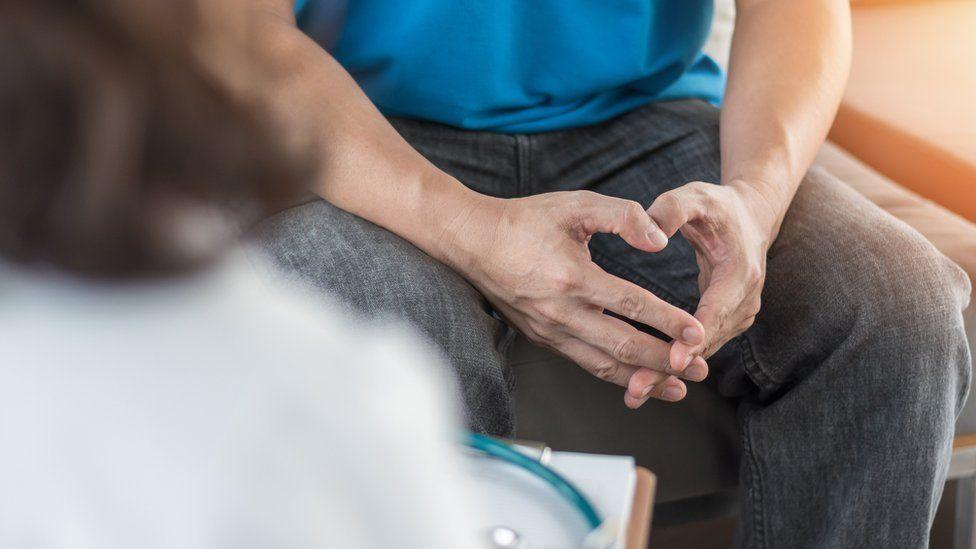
366, 168
528, 256
787, 73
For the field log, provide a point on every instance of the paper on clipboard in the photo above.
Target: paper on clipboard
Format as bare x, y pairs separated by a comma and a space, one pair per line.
511, 497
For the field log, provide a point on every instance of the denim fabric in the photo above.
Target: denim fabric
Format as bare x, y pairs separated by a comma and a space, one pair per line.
849, 381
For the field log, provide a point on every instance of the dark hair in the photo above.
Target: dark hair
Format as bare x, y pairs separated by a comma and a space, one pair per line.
121, 153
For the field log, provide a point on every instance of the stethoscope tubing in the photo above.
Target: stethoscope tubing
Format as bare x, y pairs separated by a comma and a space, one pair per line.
566, 489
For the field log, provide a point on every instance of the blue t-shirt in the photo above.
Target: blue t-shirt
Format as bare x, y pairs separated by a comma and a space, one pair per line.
518, 65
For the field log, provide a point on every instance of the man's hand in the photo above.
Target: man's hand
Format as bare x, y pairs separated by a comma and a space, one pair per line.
529, 257
731, 227
787, 72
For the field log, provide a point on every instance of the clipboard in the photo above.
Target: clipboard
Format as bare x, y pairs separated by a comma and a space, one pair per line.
641, 511
512, 498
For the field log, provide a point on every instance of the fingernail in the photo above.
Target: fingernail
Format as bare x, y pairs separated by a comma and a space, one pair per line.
695, 372
692, 335
672, 393
647, 390
657, 236
688, 360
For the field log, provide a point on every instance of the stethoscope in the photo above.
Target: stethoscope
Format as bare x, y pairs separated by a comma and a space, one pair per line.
502, 537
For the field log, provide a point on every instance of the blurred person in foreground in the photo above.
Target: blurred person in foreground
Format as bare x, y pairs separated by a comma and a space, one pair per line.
501, 166
153, 393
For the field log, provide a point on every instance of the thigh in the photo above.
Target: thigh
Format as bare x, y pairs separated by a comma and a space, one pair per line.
858, 366
376, 273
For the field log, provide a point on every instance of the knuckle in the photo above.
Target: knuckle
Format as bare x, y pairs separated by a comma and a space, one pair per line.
549, 314
747, 323
753, 275
565, 278
666, 201
606, 370
627, 350
564, 281
633, 211
708, 200
632, 306
533, 335
583, 198
543, 336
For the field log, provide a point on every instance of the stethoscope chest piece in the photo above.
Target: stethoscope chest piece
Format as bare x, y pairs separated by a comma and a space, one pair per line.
502, 537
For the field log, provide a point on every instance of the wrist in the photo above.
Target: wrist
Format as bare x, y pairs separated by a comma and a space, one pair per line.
456, 221
766, 206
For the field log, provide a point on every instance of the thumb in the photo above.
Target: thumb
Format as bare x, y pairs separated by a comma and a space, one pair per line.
676, 207
718, 302
625, 218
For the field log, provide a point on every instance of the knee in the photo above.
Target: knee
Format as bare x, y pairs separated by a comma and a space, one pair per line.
907, 288
908, 307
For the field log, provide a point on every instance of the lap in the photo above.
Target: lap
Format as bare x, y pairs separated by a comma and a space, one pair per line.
834, 252
838, 259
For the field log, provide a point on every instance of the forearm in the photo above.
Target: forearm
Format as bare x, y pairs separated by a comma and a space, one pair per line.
365, 166
787, 72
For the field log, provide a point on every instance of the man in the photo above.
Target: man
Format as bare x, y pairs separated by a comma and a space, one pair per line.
524, 135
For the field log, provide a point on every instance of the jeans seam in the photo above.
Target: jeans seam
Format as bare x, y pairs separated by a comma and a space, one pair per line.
622, 271
753, 368
755, 487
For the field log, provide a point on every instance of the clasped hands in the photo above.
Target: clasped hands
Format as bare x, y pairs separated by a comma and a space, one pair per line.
530, 258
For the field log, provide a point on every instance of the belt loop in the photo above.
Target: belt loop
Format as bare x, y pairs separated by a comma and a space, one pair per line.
523, 150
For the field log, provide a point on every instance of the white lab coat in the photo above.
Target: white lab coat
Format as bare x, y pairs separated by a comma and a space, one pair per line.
216, 411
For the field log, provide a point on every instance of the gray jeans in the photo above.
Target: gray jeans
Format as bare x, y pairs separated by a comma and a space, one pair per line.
849, 381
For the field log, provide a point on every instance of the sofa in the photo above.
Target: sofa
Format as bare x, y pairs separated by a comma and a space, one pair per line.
918, 162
